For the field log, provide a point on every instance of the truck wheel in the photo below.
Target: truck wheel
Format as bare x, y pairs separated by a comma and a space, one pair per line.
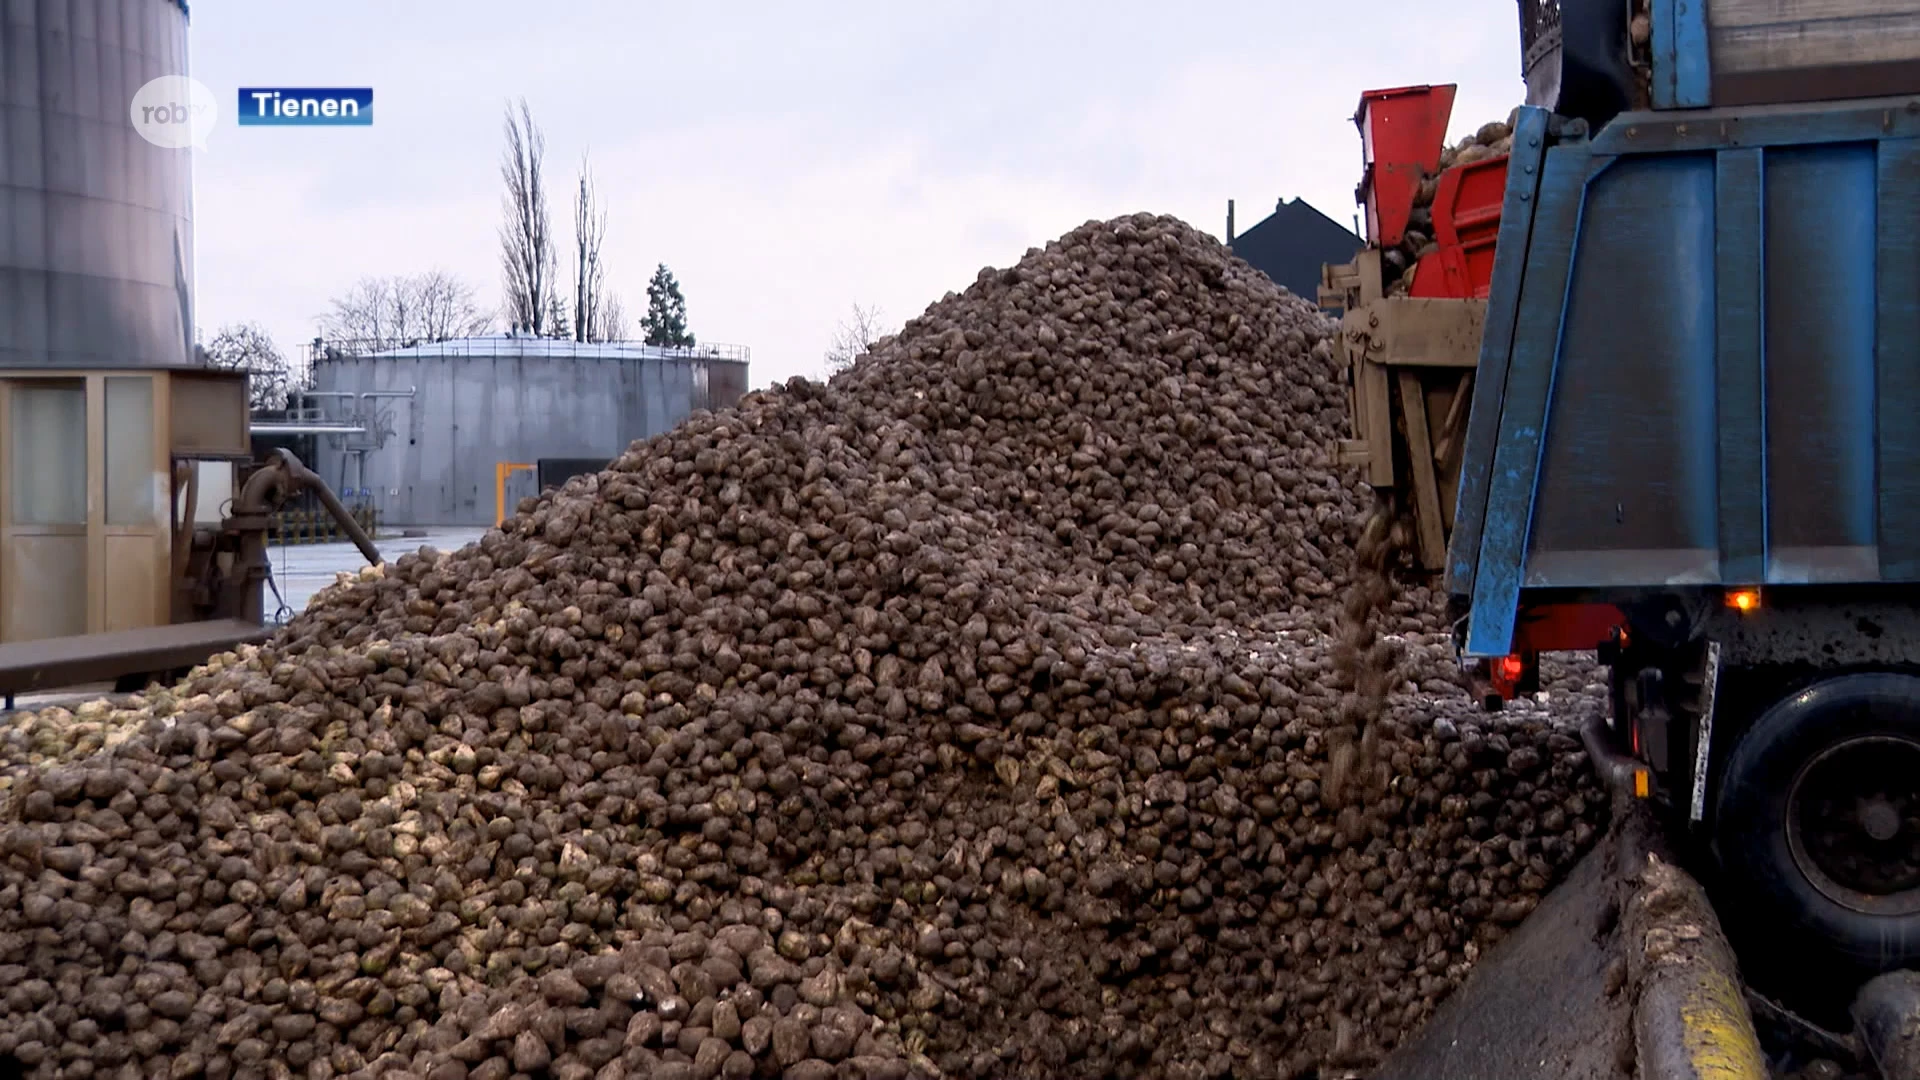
1818, 823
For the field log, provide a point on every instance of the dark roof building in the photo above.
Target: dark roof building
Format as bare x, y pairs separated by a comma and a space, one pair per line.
1292, 244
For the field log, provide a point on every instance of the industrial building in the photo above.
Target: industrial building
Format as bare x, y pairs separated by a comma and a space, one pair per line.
1292, 244
449, 433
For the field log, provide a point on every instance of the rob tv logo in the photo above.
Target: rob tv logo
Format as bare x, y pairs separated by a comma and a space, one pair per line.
280, 106
174, 112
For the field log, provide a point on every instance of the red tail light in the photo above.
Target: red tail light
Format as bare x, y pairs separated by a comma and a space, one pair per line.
1508, 674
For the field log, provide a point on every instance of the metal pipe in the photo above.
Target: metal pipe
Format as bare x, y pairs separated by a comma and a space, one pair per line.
308, 479
306, 429
1615, 768
348, 394
266, 483
262, 491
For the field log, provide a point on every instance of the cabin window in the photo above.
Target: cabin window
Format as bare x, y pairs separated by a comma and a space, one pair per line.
47, 482
132, 484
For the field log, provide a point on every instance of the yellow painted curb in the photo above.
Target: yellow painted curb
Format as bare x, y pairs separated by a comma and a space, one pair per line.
1721, 1043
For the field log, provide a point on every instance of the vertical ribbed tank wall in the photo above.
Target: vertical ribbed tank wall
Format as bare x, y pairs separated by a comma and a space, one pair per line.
440, 417
96, 235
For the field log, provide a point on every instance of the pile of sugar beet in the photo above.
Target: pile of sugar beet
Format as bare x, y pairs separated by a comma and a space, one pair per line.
961, 717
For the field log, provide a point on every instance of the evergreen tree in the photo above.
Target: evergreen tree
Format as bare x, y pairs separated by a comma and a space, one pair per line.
665, 323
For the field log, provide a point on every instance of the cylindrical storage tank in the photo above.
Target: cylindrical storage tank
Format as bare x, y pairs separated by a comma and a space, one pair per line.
96, 236
438, 420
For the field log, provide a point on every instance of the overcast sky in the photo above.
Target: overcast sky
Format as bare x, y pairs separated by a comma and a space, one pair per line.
786, 160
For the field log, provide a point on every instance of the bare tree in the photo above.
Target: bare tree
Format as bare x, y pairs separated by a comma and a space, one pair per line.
614, 319
527, 252
446, 306
389, 312
856, 335
590, 301
248, 347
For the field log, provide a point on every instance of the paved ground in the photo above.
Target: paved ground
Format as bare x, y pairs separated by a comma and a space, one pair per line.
1537, 1004
1621, 972
304, 569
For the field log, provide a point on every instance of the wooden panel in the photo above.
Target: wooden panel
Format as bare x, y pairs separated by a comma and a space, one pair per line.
135, 569
46, 575
1429, 332
1426, 486
134, 579
1763, 12
209, 414
1816, 43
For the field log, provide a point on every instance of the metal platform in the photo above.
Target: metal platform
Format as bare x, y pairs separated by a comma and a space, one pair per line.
53, 663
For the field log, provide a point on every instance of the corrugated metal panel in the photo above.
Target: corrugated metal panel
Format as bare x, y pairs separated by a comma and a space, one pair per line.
96, 238
431, 458
1819, 349
1722, 388
1634, 496
1767, 50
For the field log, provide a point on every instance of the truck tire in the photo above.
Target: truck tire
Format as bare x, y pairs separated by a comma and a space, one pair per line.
1817, 825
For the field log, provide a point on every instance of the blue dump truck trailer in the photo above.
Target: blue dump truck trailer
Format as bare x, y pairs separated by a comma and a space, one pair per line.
1692, 443
1695, 438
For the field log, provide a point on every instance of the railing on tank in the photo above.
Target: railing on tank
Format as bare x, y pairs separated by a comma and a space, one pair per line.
514, 345
311, 419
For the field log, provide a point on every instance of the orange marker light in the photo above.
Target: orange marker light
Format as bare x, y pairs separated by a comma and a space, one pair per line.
1642, 786
1744, 600
1511, 667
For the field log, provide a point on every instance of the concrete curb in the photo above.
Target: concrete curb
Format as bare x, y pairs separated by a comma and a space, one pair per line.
1690, 1020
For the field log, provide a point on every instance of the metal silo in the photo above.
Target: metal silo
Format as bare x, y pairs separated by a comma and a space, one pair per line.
427, 429
96, 241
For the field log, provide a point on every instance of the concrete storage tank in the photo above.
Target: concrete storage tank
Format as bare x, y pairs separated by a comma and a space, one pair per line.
96, 237
434, 421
